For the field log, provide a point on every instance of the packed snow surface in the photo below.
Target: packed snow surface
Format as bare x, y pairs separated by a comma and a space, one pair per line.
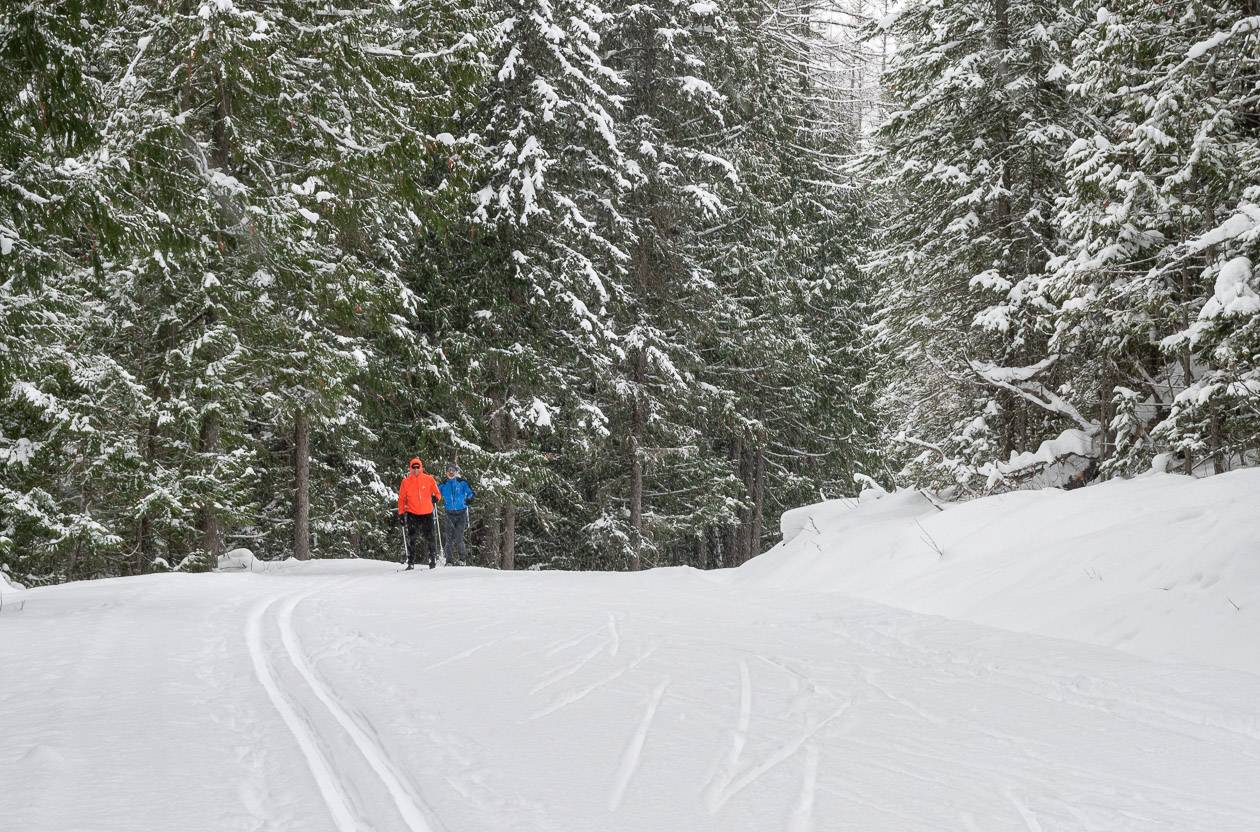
346, 695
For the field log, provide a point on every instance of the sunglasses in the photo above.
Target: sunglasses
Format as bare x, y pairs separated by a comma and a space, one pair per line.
414, 467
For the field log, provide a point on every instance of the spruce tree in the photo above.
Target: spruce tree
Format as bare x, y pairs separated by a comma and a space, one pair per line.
58, 393
968, 153
787, 298
547, 204
661, 476
1157, 293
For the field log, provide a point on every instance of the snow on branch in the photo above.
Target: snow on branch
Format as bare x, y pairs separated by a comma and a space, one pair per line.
1244, 222
1195, 53
1055, 462
1019, 380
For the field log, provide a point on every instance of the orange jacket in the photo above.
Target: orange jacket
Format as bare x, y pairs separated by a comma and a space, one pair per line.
417, 492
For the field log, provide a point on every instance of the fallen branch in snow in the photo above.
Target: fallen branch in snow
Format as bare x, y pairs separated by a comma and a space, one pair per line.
929, 540
1073, 449
931, 500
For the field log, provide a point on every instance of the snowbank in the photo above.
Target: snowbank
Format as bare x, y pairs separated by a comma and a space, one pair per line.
1163, 566
237, 560
10, 592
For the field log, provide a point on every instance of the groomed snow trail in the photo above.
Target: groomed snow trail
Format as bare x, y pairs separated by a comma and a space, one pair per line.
331, 788
345, 696
325, 771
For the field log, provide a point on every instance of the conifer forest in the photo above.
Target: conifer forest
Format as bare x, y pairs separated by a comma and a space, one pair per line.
652, 272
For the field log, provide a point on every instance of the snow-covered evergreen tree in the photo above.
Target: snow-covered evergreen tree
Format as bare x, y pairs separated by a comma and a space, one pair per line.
547, 207
58, 393
305, 127
661, 475
786, 298
1158, 294
968, 156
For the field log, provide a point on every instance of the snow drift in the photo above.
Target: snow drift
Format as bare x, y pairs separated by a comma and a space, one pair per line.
1163, 566
10, 592
237, 560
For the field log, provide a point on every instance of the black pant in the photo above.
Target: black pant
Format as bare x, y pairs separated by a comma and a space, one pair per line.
456, 523
415, 526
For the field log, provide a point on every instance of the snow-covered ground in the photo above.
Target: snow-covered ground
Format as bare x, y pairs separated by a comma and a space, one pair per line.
1164, 565
345, 695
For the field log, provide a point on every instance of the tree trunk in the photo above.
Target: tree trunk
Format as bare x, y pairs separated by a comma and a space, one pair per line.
636, 505
493, 514
77, 551
1187, 363
211, 527
1216, 444
747, 467
492, 538
144, 546
509, 536
1106, 412
636, 468
730, 552
144, 531
758, 495
302, 486
509, 507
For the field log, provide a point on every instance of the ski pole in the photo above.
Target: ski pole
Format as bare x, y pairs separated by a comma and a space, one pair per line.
438, 523
406, 548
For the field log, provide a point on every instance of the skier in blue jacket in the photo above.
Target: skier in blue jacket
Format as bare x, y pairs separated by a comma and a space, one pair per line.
456, 495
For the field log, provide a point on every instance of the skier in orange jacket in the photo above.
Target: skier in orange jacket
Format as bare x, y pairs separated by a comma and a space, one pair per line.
417, 496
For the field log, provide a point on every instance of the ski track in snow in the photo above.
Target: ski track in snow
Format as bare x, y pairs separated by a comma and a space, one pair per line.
572, 697
782, 754
564, 644
1146, 711
333, 782
1025, 813
614, 635
376, 756
868, 678
739, 737
802, 819
330, 786
634, 750
750, 713
569, 670
464, 654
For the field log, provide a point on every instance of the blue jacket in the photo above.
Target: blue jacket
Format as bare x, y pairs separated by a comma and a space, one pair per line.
456, 493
